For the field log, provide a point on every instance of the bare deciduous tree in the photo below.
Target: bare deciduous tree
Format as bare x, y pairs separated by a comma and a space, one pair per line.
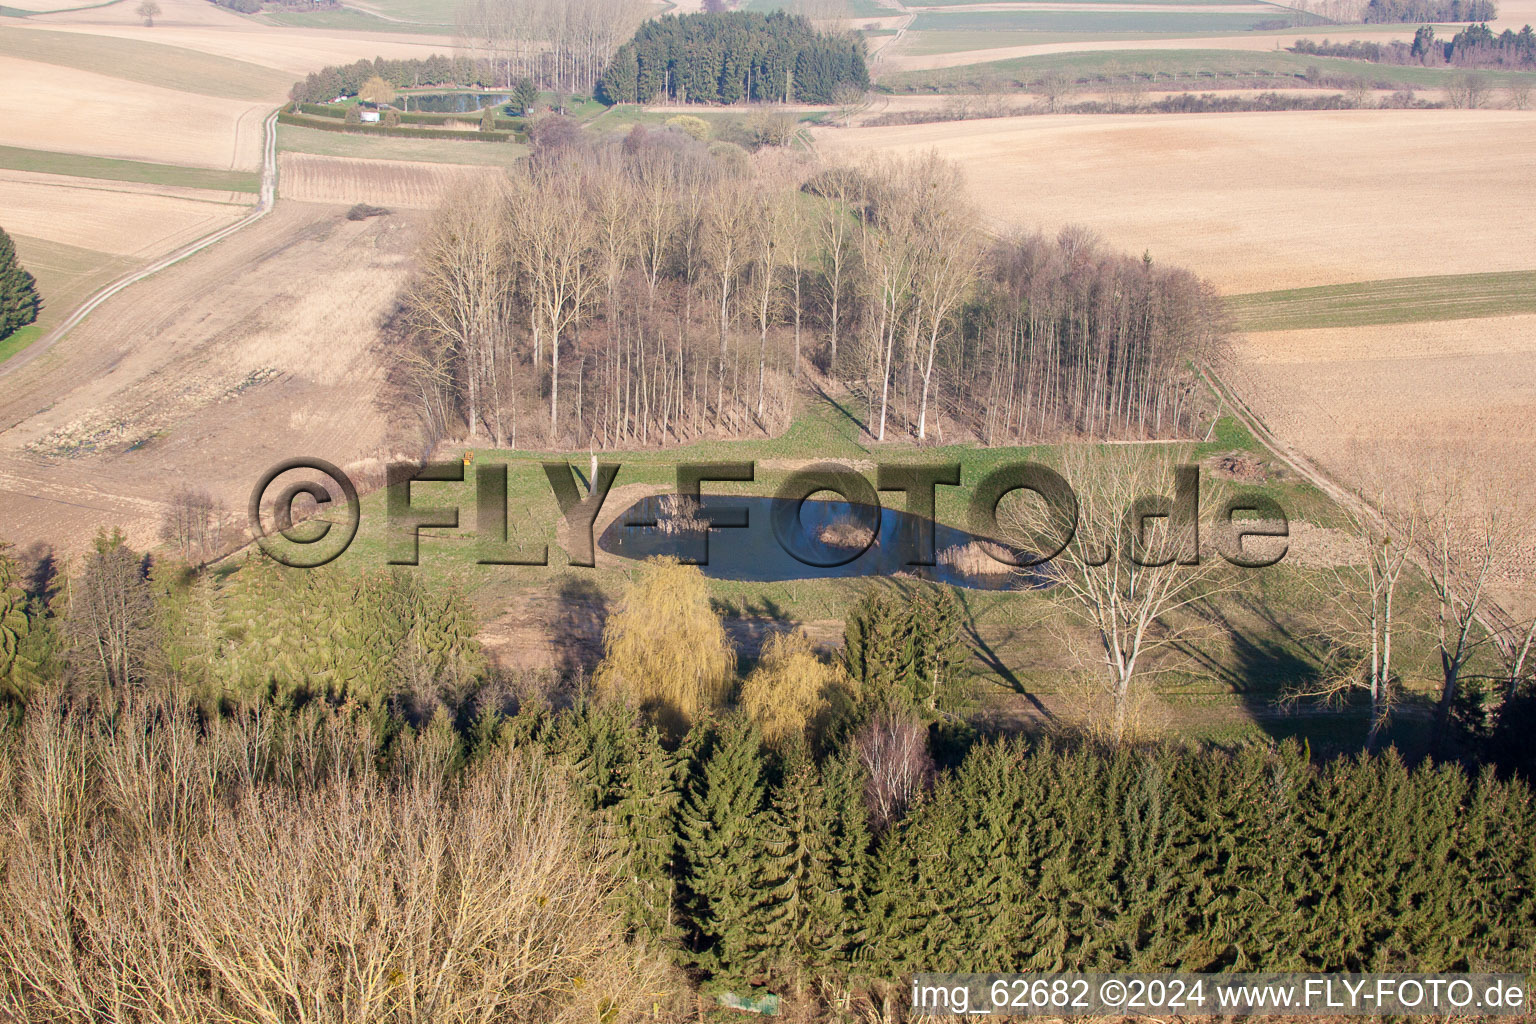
893, 747
461, 293
111, 619
1133, 566
1362, 618
194, 523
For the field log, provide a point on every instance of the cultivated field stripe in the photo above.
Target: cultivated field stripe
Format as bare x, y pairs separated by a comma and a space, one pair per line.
39, 161
1395, 301
266, 198
172, 67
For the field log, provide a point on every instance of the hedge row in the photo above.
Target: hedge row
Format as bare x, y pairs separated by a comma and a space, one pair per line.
331, 124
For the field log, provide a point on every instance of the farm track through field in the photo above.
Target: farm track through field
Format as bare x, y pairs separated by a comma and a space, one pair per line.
1493, 618
263, 206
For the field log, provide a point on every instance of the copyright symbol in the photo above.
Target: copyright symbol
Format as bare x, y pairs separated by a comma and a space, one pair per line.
301, 547
1112, 992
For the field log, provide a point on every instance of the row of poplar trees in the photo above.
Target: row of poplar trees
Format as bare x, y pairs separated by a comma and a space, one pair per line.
661, 288
761, 866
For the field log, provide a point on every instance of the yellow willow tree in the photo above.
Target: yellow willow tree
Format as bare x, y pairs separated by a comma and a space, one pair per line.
793, 692
664, 649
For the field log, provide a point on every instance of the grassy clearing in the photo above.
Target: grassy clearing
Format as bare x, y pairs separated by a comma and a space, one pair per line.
43, 162
297, 139
1185, 67
1396, 301
172, 67
19, 340
423, 12
1123, 23
1223, 687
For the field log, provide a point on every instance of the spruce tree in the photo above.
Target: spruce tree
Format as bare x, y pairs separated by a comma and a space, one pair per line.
19, 301
18, 671
646, 831
721, 850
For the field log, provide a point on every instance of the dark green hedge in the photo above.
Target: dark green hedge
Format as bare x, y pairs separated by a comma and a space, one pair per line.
331, 124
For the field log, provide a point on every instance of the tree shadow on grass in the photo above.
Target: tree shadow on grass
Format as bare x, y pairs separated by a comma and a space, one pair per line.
580, 613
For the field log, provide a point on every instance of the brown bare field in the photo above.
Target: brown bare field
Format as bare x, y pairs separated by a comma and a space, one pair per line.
89, 214
64, 110
251, 352
1514, 14
1256, 201
331, 179
1402, 396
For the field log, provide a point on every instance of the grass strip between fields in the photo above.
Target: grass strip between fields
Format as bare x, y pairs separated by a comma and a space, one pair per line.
1395, 301
40, 161
1275, 68
148, 63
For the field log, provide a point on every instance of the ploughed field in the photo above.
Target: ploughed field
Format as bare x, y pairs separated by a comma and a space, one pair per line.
1256, 201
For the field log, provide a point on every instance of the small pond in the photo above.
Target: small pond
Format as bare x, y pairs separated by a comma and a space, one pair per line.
451, 102
826, 541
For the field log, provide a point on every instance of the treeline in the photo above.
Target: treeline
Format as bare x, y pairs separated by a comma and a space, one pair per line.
763, 868
663, 288
19, 301
437, 70
1396, 11
1473, 47
558, 46
562, 45
1068, 335
733, 56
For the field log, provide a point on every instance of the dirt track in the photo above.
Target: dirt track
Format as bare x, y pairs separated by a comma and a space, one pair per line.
250, 352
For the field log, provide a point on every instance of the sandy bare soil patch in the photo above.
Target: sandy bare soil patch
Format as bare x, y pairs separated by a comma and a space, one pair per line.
1257, 201
1514, 14
331, 179
45, 106
254, 351
895, 60
81, 212
1402, 395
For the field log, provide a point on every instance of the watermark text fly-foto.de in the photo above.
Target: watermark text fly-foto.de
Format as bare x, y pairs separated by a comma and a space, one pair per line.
276, 524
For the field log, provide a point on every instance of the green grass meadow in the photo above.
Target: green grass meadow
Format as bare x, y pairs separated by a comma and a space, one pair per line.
1273, 68
42, 162
1254, 643
1395, 301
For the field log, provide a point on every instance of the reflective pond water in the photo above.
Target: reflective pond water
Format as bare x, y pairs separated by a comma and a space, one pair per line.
452, 102
823, 542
